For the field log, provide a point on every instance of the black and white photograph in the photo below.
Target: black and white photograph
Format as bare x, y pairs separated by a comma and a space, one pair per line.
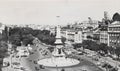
59, 35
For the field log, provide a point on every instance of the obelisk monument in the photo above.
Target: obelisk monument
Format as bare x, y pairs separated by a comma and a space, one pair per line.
58, 51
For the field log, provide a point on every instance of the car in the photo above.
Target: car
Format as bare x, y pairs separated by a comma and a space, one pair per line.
62, 69
41, 67
35, 62
31, 52
13, 55
96, 59
84, 70
23, 55
22, 68
98, 64
17, 56
6, 63
36, 68
16, 68
89, 55
16, 63
80, 53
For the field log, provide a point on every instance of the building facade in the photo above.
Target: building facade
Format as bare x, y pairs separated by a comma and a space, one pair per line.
104, 37
2, 27
114, 34
86, 33
104, 34
72, 35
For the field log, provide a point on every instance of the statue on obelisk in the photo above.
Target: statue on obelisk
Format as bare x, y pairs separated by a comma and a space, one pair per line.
58, 36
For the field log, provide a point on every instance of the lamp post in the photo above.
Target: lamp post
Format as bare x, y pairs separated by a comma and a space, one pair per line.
57, 67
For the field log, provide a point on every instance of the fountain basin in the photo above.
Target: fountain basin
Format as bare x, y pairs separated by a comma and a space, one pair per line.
58, 62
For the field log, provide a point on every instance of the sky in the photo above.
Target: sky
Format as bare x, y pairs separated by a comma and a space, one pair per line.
44, 12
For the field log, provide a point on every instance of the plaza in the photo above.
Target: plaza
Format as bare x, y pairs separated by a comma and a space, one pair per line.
29, 65
43, 60
59, 35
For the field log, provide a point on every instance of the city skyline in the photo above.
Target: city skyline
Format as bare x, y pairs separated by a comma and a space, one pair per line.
44, 12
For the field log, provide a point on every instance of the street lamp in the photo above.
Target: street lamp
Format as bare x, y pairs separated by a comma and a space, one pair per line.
57, 67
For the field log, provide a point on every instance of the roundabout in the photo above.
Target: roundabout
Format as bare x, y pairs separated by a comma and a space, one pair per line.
58, 59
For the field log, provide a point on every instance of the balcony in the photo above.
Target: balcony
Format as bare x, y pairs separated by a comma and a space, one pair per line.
110, 31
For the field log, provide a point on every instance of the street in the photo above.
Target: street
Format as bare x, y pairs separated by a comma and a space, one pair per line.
29, 63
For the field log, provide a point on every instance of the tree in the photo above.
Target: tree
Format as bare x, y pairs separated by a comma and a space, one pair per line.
18, 34
110, 49
3, 52
27, 39
3, 49
117, 51
86, 43
35, 32
63, 39
103, 48
15, 39
89, 37
89, 44
77, 45
16, 30
0, 37
25, 31
95, 38
45, 37
4, 35
116, 17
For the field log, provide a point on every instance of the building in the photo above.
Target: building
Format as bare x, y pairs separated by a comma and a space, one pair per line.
34, 26
104, 34
78, 37
2, 27
22, 51
96, 35
87, 32
90, 23
52, 30
104, 37
114, 34
72, 35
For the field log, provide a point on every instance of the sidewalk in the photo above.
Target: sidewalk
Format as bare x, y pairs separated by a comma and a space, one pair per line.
115, 64
90, 59
111, 61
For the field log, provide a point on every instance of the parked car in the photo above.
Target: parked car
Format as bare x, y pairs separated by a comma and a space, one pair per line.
41, 67
96, 59
36, 68
79, 53
35, 62
98, 64
6, 63
17, 56
16, 63
23, 55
